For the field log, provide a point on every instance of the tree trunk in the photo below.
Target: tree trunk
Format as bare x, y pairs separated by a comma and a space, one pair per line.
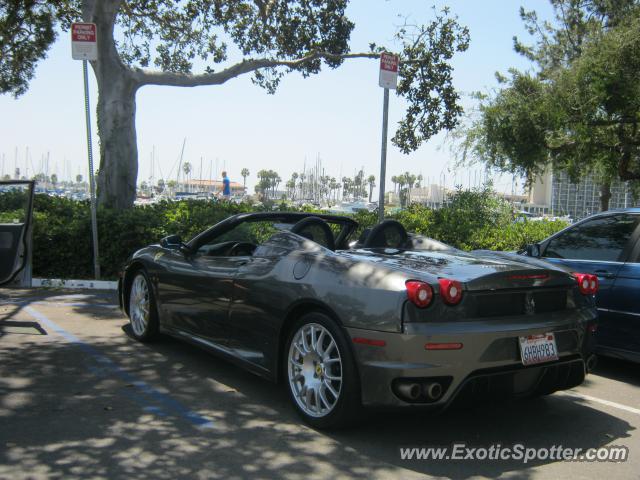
118, 146
116, 111
605, 195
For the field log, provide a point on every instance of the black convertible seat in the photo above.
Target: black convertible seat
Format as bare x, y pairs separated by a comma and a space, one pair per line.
388, 234
316, 230
363, 238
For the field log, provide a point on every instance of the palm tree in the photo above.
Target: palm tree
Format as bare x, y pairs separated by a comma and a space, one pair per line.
371, 180
294, 178
394, 180
276, 182
411, 179
333, 188
245, 173
358, 183
186, 168
291, 184
402, 181
346, 185
302, 179
264, 183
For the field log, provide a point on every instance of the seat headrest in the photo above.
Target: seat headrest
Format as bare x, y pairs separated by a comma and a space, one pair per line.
388, 234
316, 230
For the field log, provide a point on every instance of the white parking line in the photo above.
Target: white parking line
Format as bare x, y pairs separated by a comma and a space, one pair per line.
601, 401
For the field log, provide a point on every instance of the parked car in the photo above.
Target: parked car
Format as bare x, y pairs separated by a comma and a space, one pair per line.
394, 320
606, 244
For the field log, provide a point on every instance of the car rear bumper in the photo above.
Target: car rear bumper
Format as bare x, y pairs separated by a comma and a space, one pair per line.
488, 365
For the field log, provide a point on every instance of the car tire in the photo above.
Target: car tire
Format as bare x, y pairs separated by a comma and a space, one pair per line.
320, 373
143, 315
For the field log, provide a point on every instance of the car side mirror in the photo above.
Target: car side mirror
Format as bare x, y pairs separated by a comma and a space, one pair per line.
533, 250
171, 241
174, 242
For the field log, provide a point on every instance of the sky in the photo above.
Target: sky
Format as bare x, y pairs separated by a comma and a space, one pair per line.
335, 116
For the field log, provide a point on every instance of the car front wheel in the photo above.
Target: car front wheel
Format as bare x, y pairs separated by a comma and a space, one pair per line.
321, 376
142, 308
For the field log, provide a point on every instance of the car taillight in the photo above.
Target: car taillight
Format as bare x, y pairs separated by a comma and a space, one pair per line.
419, 293
450, 291
587, 283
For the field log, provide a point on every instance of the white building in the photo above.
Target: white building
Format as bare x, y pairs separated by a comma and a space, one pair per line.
554, 194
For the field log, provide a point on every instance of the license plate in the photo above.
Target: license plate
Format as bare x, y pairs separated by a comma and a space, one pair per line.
538, 349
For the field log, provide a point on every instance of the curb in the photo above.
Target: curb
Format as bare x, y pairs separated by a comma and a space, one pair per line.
76, 284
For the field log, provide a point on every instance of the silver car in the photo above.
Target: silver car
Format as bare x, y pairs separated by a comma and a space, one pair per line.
390, 319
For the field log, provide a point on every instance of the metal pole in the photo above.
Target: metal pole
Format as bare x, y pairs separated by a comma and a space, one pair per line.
383, 153
92, 184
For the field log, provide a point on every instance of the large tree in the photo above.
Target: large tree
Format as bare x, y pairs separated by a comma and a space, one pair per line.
264, 38
580, 110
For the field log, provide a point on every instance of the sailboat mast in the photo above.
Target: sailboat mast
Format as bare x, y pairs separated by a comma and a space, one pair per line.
180, 163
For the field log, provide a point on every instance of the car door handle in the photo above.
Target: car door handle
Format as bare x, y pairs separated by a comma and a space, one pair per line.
604, 274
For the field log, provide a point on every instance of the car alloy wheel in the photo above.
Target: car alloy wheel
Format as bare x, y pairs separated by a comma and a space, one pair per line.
315, 370
139, 305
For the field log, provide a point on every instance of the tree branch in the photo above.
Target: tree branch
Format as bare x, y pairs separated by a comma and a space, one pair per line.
146, 77
265, 7
623, 168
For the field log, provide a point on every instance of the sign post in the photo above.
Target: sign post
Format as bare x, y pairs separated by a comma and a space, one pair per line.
84, 47
388, 79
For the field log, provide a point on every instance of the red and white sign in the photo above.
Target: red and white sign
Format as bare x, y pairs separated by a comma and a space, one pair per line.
84, 41
389, 70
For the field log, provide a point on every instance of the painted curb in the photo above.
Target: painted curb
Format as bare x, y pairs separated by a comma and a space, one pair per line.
77, 284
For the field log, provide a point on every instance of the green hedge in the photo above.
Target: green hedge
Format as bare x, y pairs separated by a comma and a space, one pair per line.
62, 228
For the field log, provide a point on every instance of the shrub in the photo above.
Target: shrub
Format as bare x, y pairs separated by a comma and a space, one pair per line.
62, 228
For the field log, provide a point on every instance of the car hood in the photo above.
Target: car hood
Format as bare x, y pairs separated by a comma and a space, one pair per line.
482, 270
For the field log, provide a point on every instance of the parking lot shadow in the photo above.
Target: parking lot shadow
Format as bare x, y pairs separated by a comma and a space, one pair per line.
108, 406
376, 440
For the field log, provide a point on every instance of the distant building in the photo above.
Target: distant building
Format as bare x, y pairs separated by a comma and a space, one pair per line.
432, 195
554, 194
211, 186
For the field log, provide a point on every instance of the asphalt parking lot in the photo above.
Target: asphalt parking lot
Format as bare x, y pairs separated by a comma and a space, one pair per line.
80, 398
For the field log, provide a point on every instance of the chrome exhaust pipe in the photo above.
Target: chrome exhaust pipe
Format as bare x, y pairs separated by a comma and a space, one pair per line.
410, 391
592, 361
433, 391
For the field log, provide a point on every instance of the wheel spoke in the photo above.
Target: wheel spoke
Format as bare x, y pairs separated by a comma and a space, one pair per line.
327, 384
305, 345
313, 339
300, 350
316, 399
307, 397
331, 377
319, 343
303, 391
323, 398
329, 349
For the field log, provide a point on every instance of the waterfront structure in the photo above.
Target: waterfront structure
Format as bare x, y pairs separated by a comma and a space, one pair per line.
554, 194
